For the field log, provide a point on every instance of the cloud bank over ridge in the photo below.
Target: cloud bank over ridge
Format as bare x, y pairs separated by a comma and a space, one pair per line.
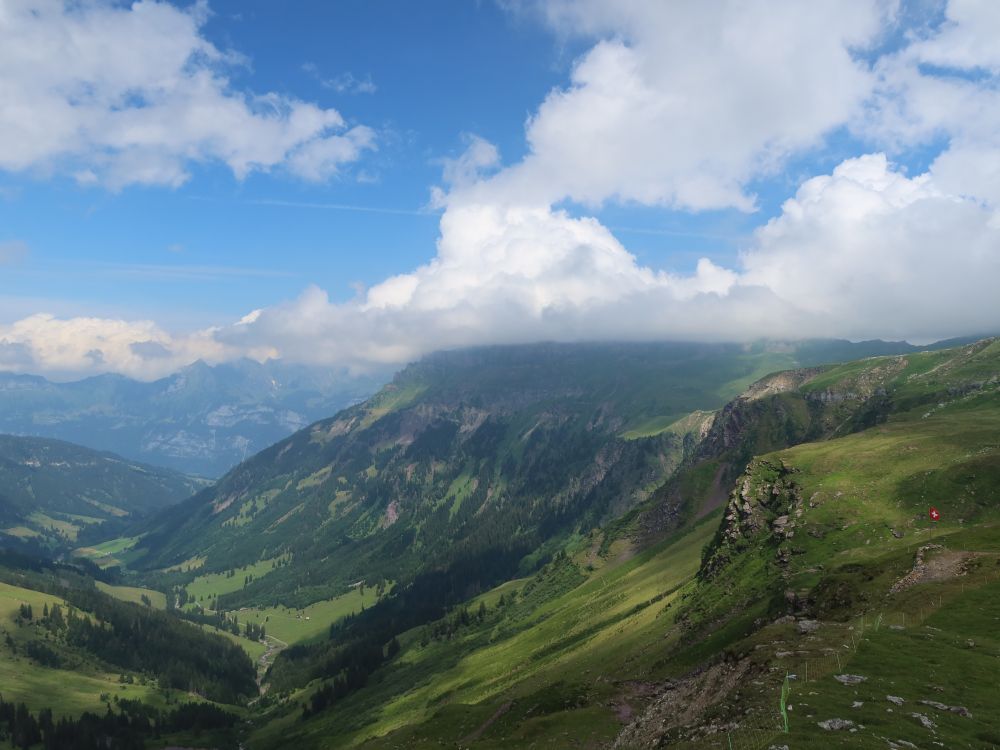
682, 107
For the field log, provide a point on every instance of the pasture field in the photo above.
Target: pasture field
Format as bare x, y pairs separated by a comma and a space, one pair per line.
134, 594
300, 625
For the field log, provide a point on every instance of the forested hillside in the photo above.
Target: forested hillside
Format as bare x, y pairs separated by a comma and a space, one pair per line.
52, 492
82, 669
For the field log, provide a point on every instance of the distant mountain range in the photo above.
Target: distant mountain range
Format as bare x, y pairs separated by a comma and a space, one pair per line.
201, 420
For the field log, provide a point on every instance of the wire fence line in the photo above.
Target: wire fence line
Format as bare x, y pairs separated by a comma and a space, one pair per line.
764, 729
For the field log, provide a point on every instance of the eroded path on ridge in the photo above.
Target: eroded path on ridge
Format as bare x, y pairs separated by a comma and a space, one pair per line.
504, 708
274, 646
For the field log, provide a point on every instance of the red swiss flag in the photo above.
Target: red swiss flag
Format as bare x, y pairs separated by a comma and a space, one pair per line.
933, 513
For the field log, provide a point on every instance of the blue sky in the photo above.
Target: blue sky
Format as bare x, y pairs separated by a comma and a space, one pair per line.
380, 179
453, 67
218, 247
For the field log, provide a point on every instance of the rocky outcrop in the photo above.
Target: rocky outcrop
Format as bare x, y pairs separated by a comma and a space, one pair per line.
762, 506
850, 679
959, 710
835, 725
783, 409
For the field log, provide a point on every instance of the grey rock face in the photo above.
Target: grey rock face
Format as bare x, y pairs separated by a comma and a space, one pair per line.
960, 710
925, 722
849, 679
834, 725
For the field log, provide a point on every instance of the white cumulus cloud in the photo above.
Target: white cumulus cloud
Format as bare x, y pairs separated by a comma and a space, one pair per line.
135, 94
71, 347
680, 106
946, 85
869, 252
863, 252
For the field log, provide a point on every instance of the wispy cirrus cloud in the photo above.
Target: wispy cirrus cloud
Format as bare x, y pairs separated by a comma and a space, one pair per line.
203, 273
342, 83
12, 251
175, 272
323, 206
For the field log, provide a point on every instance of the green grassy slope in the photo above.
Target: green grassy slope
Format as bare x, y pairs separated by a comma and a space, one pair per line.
467, 453
48, 670
936, 643
826, 530
573, 633
496, 528
107, 553
68, 691
134, 594
823, 402
312, 621
601, 643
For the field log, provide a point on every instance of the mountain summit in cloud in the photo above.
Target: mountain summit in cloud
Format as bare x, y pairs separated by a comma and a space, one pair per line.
857, 142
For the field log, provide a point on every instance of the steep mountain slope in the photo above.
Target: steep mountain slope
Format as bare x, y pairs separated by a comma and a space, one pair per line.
201, 420
489, 450
484, 456
818, 403
824, 563
835, 530
50, 490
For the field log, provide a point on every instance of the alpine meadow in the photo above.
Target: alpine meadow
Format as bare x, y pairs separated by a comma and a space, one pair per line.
598, 374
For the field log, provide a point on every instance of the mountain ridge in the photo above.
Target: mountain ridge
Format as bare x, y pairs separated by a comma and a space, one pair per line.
792, 554
465, 404
53, 491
